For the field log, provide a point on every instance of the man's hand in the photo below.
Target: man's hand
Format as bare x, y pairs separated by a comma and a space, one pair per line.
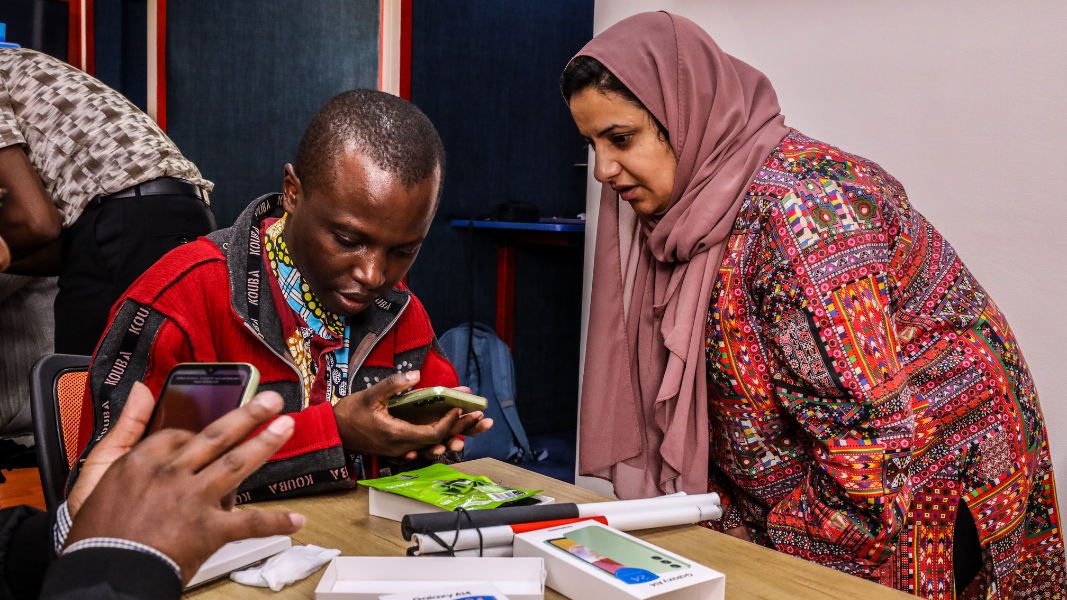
366, 427
171, 491
28, 219
455, 437
46, 262
115, 445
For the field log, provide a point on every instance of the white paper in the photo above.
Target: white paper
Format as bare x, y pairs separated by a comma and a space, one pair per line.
286, 568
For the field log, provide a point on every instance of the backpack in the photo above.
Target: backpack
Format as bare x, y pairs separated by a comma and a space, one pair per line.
489, 371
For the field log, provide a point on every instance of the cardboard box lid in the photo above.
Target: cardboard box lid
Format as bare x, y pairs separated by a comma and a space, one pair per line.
367, 578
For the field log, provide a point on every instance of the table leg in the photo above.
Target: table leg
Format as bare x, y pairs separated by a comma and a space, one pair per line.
505, 293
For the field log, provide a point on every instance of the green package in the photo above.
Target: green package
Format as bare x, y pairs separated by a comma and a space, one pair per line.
449, 489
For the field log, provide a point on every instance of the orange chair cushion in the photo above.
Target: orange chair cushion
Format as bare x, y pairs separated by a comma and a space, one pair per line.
69, 391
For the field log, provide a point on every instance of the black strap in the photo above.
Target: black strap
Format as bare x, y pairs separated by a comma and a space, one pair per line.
450, 549
255, 277
471, 355
470, 324
298, 483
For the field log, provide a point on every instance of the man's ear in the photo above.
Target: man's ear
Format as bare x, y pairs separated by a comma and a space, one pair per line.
292, 190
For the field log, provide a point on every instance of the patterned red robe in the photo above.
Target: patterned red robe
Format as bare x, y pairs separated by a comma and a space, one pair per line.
862, 383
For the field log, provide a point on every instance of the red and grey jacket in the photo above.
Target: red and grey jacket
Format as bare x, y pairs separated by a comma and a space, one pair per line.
212, 301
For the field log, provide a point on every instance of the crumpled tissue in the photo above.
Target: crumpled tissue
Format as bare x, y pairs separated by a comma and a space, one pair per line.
286, 567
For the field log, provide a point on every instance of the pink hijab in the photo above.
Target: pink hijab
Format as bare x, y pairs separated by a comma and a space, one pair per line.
644, 417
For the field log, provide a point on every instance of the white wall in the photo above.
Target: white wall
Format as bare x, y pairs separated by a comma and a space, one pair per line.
963, 102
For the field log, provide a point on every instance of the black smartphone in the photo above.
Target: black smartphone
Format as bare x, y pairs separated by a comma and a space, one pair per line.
196, 394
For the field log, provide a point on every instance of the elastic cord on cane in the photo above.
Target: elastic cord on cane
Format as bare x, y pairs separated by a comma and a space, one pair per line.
451, 548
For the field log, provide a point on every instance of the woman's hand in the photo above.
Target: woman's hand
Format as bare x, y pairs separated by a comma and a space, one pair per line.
740, 532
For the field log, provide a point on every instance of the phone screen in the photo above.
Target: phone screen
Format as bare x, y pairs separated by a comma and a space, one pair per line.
196, 395
629, 561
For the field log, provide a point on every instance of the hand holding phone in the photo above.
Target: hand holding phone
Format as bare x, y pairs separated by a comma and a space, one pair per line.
194, 395
367, 427
430, 404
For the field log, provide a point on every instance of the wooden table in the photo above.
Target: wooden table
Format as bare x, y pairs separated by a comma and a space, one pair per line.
340, 520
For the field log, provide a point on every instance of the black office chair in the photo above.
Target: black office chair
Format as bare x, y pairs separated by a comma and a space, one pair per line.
57, 383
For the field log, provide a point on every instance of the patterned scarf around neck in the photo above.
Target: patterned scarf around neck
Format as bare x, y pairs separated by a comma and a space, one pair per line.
312, 320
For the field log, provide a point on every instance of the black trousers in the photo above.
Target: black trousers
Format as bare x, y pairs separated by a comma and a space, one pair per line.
107, 249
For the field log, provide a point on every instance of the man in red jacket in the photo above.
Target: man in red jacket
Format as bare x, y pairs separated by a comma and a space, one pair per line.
306, 286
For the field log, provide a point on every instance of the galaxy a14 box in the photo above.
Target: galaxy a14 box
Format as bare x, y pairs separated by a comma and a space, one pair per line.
590, 561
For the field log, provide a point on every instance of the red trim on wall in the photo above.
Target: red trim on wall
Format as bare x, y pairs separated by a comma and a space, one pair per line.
405, 70
381, 41
405, 49
161, 64
90, 49
505, 293
74, 36
74, 33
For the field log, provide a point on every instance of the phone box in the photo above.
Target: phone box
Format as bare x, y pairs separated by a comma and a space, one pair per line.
395, 507
590, 561
369, 577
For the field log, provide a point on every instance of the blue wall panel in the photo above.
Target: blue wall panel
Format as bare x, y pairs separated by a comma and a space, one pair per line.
245, 77
121, 47
37, 24
486, 73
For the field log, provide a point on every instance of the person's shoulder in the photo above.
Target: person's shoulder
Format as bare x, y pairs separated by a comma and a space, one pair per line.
413, 329
806, 159
16, 64
27, 58
199, 263
827, 194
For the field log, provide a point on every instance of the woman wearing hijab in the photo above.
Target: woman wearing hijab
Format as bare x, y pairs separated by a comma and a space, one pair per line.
776, 305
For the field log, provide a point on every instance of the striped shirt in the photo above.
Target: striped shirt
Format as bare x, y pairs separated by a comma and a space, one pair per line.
83, 138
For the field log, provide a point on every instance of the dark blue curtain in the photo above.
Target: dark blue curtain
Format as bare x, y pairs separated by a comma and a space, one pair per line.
37, 24
486, 73
121, 46
244, 78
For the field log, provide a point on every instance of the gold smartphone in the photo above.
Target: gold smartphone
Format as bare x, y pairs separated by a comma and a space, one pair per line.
432, 403
196, 394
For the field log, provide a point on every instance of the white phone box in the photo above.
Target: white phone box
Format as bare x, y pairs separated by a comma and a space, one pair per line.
238, 555
395, 507
590, 561
457, 592
370, 577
